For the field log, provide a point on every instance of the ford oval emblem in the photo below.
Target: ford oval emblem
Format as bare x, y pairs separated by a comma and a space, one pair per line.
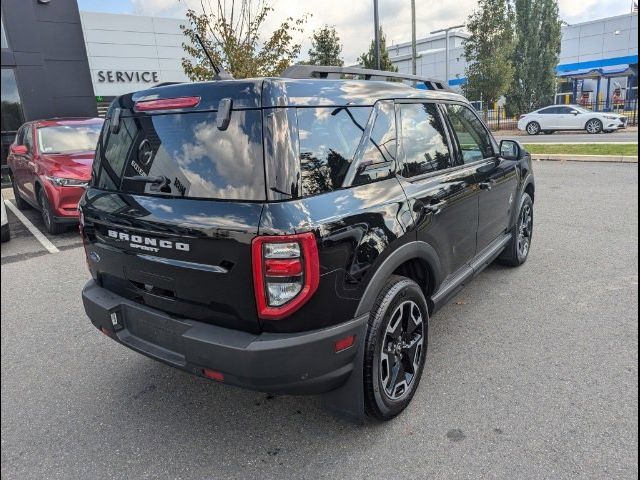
94, 256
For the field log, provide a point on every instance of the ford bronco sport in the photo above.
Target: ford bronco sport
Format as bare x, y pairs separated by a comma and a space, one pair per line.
294, 235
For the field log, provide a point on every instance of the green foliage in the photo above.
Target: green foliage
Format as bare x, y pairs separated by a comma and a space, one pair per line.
489, 51
537, 48
325, 48
233, 33
368, 59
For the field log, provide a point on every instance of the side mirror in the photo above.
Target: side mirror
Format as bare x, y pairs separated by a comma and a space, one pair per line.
510, 150
19, 149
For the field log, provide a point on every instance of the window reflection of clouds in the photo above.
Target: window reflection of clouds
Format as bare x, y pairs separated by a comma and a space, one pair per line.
424, 145
212, 163
68, 138
329, 138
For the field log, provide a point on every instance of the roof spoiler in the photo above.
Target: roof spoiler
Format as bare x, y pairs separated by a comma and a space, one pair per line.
320, 71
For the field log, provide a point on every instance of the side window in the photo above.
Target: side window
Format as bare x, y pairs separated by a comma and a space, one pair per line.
473, 139
329, 138
378, 160
564, 110
423, 141
20, 136
548, 111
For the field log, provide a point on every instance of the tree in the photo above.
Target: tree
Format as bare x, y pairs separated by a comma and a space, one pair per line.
489, 52
535, 56
368, 59
325, 47
233, 33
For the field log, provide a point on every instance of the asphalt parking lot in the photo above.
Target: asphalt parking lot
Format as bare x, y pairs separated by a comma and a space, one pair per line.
531, 373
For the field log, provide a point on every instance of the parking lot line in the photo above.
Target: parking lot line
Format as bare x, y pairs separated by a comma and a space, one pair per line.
46, 243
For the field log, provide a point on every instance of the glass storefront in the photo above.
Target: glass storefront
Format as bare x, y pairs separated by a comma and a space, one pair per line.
12, 116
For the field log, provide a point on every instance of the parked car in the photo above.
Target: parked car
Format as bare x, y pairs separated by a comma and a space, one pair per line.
570, 117
294, 235
50, 164
6, 232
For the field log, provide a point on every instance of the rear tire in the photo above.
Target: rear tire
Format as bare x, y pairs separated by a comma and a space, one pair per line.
533, 128
20, 202
50, 224
517, 251
395, 348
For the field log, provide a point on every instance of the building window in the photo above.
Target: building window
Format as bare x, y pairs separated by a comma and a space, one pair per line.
5, 44
12, 116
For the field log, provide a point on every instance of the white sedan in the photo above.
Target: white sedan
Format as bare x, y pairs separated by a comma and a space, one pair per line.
570, 117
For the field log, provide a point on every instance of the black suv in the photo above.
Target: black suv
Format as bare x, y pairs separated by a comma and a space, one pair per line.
293, 235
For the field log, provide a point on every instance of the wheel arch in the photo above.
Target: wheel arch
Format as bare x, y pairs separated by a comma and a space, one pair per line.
416, 260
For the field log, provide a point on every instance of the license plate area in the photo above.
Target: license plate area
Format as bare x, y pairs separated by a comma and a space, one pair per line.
154, 334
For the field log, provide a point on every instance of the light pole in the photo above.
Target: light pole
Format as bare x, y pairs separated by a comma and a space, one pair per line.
446, 46
413, 37
376, 21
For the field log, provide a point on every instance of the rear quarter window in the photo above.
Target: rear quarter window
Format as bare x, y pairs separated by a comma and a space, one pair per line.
329, 138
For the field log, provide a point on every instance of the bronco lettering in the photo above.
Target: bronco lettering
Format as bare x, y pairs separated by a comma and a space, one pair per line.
136, 241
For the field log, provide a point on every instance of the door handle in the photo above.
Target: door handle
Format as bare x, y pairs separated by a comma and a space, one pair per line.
487, 185
434, 207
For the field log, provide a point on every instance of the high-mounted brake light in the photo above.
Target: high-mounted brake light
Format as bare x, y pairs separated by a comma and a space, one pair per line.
166, 104
286, 273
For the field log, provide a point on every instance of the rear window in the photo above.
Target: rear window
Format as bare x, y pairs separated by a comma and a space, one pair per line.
196, 159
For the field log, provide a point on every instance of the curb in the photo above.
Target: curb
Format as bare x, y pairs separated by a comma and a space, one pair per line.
584, 158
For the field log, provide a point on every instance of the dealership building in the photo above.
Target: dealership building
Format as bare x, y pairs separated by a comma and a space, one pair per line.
59, 61
598, 60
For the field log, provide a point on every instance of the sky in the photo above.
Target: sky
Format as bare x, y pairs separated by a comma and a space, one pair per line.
353, 19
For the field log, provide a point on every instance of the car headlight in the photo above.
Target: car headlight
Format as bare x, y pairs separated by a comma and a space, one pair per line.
611, 117
67, 182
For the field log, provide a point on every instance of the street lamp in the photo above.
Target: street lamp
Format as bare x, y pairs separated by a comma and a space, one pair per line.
413, 37
446, 31
376, 22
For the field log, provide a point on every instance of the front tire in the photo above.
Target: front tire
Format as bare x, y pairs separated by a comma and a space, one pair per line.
594, 126
533, 128
517, 251
395, 348
50, 224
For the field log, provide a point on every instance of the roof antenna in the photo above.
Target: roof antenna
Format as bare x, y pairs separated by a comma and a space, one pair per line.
221, 74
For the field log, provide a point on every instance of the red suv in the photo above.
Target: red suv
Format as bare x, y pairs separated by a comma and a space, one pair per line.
50, 166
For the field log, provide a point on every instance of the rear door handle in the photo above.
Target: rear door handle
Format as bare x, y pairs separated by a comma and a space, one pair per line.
487, 185
434, 207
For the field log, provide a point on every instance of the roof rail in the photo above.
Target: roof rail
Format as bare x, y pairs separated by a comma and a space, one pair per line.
319, 71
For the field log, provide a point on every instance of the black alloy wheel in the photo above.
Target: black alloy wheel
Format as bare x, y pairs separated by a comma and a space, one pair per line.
396, 347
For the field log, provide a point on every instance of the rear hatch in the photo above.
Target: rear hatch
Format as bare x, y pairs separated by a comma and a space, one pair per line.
175, 200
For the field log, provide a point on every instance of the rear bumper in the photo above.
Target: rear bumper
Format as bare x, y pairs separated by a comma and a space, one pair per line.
293, 363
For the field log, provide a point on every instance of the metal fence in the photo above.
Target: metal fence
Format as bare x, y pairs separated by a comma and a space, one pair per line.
499, 119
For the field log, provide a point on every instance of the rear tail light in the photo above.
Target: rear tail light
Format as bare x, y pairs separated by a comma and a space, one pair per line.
286, 273
166, 104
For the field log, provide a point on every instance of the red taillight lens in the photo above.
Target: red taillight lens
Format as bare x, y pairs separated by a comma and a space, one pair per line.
166, 104
286, 273
213, 375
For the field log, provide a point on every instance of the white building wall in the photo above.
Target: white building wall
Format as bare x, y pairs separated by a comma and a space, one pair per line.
613, 37
132, 45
